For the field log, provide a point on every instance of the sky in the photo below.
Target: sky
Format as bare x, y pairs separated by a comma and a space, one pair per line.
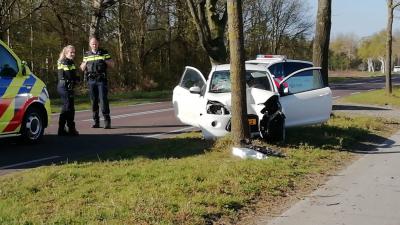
361, 17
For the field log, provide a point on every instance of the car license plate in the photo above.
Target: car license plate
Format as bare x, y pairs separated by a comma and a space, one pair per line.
252, 122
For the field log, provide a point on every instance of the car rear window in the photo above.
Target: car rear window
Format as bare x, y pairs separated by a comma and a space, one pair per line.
221, 81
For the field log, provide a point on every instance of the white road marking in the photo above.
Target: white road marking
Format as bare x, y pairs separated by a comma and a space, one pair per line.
142, 104
88, 110
29, 162
354, 93
169, 132
350, 84
336, 97
135, 114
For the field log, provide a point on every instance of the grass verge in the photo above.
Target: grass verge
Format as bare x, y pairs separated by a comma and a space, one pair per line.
183, 180
377, 97
82, 102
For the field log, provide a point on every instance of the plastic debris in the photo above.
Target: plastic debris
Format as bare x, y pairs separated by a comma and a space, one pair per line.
246, 153
248, 150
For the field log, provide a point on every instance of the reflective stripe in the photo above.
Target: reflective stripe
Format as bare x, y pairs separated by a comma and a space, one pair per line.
37, 89
27, 85
16, 120
13, 87
66, 67
7, 116
4, 84
4, 104
96, 57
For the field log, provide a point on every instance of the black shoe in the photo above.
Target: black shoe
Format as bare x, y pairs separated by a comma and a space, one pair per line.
62, 132
107, 124
96, 125
73, 132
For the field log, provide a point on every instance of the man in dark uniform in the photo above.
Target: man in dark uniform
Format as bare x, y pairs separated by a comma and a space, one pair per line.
95, 64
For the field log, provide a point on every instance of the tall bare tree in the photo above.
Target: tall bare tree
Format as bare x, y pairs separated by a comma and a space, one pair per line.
390, 8
99, 8
322, 37
240, 127
7, 7
210, 17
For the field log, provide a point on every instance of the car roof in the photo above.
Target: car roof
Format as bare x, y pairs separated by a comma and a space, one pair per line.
248, 67
276, 60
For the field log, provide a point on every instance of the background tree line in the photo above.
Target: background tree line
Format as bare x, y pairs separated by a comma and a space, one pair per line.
150, 40
349, 52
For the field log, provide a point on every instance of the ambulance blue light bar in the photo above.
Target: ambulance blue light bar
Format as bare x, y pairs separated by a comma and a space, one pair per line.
271, 57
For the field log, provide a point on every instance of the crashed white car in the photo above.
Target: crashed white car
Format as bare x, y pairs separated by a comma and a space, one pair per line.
206, 104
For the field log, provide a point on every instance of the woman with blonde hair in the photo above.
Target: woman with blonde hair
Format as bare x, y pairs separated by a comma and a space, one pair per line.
67, 79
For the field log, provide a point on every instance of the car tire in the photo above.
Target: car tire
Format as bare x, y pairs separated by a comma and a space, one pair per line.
32, 127
276, 132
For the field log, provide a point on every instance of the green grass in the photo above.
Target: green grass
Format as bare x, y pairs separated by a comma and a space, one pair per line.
82, 102
183, 180
377, 97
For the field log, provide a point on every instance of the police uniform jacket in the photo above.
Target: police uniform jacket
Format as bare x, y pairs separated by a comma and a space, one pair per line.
96, 62
67, 72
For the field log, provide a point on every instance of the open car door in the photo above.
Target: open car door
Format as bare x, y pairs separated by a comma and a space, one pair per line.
304, 98
188, 96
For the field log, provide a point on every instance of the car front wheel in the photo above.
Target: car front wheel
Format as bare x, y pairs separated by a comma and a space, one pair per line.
32, 128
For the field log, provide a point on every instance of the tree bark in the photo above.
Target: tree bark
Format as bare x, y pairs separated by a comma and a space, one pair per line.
322, 37
99, 6
210, 28
240, 128
96, 17
388, 66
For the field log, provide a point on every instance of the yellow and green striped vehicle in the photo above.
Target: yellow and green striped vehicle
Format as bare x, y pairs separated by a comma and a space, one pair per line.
24, 100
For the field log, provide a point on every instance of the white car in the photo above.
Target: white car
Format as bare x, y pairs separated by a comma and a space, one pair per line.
206, 104
396, 69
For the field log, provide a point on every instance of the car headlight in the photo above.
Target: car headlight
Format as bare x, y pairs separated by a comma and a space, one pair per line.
217, 108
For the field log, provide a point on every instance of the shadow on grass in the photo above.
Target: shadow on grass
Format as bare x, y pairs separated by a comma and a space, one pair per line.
94, 148
162, 148
355, 107
328, 137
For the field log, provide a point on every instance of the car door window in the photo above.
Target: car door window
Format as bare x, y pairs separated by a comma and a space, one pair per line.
8, 64
192, 79
305, 81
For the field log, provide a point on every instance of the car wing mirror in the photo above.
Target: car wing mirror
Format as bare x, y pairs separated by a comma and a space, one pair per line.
23, 65
283, 90
195, 90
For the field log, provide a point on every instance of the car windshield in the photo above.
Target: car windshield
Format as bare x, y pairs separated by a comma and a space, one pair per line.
221, 82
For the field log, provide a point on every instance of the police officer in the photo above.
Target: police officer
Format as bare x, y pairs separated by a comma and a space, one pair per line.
95, 64
67, 79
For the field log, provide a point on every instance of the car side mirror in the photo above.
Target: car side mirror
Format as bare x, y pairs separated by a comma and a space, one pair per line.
23, 65
195, 90
283, 90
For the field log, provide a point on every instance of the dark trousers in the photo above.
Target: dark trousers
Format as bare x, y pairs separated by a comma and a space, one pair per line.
67, 115
98, 91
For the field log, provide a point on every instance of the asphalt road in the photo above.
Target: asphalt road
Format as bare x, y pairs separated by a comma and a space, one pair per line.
132, 125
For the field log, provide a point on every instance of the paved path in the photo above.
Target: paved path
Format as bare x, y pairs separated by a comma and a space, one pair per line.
365, 193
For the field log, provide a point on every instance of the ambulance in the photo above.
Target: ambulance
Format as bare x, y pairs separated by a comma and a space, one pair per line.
24, 100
